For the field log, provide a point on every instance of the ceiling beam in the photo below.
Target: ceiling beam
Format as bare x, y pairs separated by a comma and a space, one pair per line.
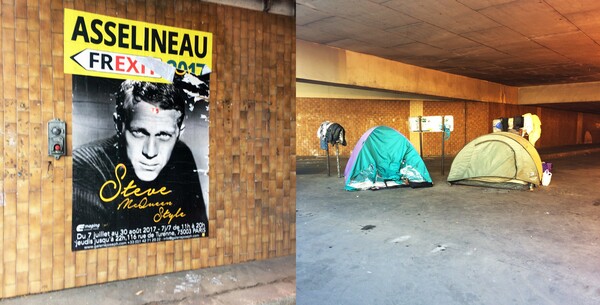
564, 93
319, 64
278, 7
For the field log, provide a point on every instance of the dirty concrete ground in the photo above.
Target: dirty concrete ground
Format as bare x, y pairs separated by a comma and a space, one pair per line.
266, 282
450, 244
439, 245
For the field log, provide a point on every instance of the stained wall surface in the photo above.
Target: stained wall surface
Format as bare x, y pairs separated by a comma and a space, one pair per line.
252, 146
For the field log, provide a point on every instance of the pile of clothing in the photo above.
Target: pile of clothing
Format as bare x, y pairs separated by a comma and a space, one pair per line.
526, 125
330, 133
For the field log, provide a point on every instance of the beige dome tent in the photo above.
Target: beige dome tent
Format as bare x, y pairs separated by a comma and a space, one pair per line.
500, 159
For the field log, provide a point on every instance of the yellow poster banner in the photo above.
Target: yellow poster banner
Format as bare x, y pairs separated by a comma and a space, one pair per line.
104, 46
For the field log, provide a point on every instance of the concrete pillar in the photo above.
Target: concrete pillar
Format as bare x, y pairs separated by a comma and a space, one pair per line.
416, 109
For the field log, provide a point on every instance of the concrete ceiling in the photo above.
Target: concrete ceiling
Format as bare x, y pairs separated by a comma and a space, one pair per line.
516, 43
280, 7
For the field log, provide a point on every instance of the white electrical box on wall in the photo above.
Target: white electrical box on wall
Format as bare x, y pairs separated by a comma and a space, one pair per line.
431, 123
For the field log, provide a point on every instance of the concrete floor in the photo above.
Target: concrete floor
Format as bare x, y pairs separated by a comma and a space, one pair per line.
264, 282
450, 244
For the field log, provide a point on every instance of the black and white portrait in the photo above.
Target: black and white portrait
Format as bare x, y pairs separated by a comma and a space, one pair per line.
140, 161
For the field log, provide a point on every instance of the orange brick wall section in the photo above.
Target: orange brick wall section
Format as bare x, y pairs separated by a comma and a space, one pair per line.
471, 119
252, 146
432, 141
477, 119
356, 116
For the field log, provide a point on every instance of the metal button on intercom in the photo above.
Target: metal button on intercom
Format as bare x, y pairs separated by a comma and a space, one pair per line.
56, 138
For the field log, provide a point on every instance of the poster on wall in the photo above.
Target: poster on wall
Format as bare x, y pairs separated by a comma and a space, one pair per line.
139, 130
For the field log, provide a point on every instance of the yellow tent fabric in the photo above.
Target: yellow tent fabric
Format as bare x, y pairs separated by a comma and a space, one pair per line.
499, 159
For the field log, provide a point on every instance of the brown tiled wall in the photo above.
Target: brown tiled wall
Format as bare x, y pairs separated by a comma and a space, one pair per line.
507, 111
471, 119
591, 126
252, 146
558, 128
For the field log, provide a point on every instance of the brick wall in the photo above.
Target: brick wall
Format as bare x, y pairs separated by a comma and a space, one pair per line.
471, 119
252, 146
432, 141
356, 116
477, 118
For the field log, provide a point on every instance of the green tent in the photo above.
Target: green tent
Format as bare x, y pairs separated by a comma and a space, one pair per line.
499, 159
384, 158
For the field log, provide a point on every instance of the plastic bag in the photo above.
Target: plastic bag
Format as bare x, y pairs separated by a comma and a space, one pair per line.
365, 179
411, 174
366, 175
546, 178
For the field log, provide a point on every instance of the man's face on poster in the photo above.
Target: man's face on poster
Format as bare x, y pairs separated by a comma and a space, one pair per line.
150, 139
